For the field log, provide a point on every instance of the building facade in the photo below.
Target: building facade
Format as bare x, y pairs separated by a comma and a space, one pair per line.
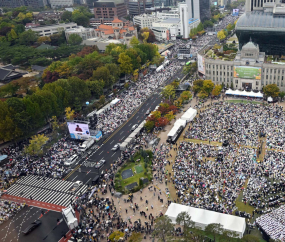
61, 3
144, 20
205, 11
19, 3
53, 29
84, 33
137, 7
250, 69
108, 9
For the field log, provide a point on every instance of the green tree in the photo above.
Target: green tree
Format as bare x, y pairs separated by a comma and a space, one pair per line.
12, 35
96, 87
80, 19
28, 37
77, 105
74, 39
163, 228
66, 15
103, 73
134, 41
116, 235
214, 230
54, 123
36, 144
186, 95
149, 125
125, 63
250, 238
184, 219
135, 237
200, 27
271, 90
198, 85
282, 95
168, 92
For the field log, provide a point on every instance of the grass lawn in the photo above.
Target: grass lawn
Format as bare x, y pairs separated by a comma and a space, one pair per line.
138, 169
243, 101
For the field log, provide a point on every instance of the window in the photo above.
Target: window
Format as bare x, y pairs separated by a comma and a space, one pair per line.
236, 81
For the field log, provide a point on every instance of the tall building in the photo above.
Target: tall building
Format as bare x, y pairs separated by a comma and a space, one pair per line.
137, 7
61, 3
19, 3
193, 9
110, 9
263, 23
205, 11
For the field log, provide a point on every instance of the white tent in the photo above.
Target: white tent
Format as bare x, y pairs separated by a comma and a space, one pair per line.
180, 122
229, 92
244, 93
159, 68
189, 115
269, 99
202, 218
115, 101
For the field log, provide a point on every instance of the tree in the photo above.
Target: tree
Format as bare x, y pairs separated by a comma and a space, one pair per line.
134, 41
271, 90
74, 39
163, 228
149, 125
214, 230
135, 237
77, 105
184, 219
155, 115
116, 235
221, 35
250, 238
186, 95
69, 113
102, 99
217, 90
80, 19
36, 143
126, 85
161, 122
170, 116
28, 37
208, 86
197, 86
125, 63
200, 27
54, 123
12, 35
168, 92
282, 95
145, 36
44, 39
203, 94
66, 15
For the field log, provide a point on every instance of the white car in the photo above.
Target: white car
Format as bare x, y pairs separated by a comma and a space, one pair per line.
116, 146
78, 183
134, 127
71, 160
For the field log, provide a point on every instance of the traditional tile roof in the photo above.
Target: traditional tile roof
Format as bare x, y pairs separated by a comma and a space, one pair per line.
116, 20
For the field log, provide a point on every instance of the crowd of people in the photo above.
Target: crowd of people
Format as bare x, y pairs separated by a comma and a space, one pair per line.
130, 100
9, 209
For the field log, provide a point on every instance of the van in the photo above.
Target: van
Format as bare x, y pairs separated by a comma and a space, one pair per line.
95, 180
71, 160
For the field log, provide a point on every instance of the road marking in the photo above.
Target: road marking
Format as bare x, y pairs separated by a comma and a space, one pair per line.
112, 141
101, 152
74, 178
122, 138
88, 181
137, 117
113, 155
122, 132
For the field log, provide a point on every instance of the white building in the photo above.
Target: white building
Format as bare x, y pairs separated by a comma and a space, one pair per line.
166, 29
144, 20
61, 3
84, 33
53, 29
167, 14
193, 8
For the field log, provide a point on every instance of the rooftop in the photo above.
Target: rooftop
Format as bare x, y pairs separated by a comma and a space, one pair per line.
259, 20
78, 29
171, 21
54, 26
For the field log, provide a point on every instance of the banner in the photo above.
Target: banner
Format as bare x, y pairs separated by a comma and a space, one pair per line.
201, 64
247, 72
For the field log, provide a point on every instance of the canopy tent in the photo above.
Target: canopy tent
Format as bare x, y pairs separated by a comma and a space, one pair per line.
115, 101
202, 218
173, 131
189, 115
180, 122
269, 99
159, 68
244, 93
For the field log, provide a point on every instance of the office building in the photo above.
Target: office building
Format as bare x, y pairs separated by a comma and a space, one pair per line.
248, 69
144, 20
19, 3
264, 23
166, 28
137, 7
84, 33
61, 3
193, 9
110, 9
205, 11
53, 29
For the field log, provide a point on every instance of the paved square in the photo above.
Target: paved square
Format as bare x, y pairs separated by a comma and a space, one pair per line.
127, 173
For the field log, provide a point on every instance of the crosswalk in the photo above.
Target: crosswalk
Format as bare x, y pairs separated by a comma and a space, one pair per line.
58, 192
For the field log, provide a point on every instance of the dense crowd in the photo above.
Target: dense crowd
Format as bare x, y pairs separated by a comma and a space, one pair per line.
133, 98
8, 209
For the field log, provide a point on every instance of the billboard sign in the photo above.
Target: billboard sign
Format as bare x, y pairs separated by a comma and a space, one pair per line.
247, 72
201, 64
235, 12
78, 130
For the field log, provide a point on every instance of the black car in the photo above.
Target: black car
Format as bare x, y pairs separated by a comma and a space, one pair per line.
32, 226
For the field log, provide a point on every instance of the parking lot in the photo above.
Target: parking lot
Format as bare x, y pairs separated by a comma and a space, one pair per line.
48, 231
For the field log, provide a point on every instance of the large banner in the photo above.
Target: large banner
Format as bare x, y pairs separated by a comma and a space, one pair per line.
201, 64
247, 72
78, 130
235, 12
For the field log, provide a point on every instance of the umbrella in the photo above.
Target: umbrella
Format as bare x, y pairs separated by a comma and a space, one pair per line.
126, 230
107, 207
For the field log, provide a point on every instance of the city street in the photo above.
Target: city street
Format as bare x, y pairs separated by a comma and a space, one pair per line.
86, 174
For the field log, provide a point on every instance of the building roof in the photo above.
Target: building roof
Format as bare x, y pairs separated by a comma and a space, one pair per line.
171, 21
8, 74
104, 26
131, 28
108, 31
9, 67
101, 4
38, 68
249, 45
259, 20
116, 20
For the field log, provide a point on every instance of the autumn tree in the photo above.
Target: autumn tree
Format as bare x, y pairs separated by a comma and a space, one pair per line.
163, 108
161, 122
149, 125
36, 143
208, 86
44, 39
54, 123
134, 41
170, 116
198, 85
173, 109
125, 63
116, 235
271, 90
156, 114
186, 95
69, 113
221, 34
102, 99
217, 90
168, 92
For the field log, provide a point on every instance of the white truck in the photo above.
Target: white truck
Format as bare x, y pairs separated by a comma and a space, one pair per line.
86, 144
